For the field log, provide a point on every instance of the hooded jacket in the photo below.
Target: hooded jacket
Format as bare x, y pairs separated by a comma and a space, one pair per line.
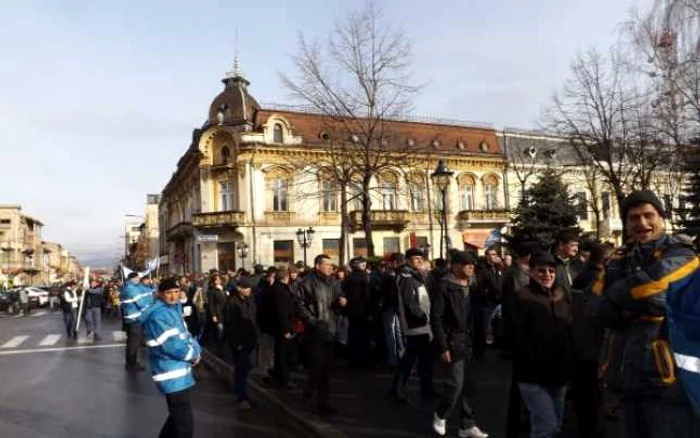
630, 300
413, 303
450, 315
135, 299
541, 330
171, 348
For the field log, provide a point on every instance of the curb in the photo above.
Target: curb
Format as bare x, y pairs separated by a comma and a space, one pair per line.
307, 423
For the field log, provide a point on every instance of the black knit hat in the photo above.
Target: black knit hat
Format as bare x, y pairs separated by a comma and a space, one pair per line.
462, 258
640, 197
414, 252
167, 284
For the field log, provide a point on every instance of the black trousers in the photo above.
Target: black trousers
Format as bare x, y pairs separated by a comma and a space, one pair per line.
320, 358
514, 419
420, 348
134, 334
459, 387
180, 422
283, 349
358, 341
587, 397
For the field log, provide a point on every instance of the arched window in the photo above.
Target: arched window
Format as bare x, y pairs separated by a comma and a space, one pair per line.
466, 184
277, 133
280, 192
225, 154
491, 192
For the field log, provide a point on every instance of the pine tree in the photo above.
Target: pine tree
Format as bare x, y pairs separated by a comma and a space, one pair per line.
690, 212
545, 211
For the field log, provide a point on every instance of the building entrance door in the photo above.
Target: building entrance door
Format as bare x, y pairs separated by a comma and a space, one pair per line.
227, 256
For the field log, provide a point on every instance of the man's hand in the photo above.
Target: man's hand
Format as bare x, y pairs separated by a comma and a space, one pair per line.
342, 301
287, 336
215, 319
446, 356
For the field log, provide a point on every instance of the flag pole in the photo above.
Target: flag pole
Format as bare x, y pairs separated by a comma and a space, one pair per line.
86, 285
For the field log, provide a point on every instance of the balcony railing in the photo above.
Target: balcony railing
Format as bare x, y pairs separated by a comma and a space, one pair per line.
180, 231
218, 219
280, 218
483, 216
396, 220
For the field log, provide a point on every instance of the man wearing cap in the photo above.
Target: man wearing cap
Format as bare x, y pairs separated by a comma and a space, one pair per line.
542, 350
135, 299
450, 323
630, 300
172, 353
414, 316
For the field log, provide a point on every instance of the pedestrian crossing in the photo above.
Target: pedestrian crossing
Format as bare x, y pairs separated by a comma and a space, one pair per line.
52, 339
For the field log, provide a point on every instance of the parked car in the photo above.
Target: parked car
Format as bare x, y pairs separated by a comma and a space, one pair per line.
37, 297
5, 300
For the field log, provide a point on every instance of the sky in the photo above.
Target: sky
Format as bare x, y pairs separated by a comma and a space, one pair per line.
98, 99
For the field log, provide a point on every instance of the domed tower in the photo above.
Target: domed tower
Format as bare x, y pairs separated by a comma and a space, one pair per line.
234, 106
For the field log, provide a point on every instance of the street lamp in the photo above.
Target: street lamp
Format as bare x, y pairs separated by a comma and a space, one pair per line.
441, 178
242, 249
305, 237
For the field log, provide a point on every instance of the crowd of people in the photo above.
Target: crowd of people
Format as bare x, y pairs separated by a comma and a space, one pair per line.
578, 320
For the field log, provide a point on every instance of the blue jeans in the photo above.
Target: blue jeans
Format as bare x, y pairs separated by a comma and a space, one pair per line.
93, 320
241, 364
546, 406
69, 319
393, 336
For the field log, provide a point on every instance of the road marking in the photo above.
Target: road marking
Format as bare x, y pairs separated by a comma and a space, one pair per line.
55, 349
14, 342
40, 313
119, 336
49, 340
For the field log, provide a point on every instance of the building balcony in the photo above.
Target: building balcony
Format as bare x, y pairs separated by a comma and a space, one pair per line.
280, 218
396, 220
218, 219
483, 216
180, 231
329, 218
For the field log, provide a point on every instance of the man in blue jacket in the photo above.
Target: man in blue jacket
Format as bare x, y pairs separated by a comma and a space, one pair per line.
135, 299
172, 353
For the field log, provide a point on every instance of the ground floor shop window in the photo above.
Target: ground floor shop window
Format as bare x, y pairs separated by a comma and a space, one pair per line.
359, 247
283, 251
226, 256
331, 248
391, 245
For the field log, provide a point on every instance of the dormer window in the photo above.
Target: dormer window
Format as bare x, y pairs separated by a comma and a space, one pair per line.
277, 133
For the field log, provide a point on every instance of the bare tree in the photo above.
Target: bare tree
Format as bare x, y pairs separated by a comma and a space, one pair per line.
358, 80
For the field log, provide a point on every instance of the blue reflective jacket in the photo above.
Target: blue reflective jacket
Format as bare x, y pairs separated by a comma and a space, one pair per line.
135, 299
171, 348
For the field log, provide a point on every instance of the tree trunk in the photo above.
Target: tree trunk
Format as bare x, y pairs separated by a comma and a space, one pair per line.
343, 225
367, 216
620, 195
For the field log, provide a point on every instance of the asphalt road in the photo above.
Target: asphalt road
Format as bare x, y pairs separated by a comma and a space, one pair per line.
54, 387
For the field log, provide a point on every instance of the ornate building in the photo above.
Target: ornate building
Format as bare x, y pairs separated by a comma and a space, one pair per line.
233, 187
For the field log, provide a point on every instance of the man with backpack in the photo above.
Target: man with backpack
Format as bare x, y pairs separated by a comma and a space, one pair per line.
630, 300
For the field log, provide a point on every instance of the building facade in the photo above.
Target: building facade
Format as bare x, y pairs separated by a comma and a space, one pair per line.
22, 253
234, 187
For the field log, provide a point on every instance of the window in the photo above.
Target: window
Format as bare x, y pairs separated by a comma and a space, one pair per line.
225, 154
491, 192
277, 134
359, 247
606, 204
391, 245
581, 206
331, 247
4, 222
388, 189
226, 193
329, 196
279, 195
283, 251
467, 197
417, 197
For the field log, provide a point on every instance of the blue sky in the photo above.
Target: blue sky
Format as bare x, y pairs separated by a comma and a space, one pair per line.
98, 99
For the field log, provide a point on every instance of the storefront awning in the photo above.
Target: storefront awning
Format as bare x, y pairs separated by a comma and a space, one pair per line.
476, 238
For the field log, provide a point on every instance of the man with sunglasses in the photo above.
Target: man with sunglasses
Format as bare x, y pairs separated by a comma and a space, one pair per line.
542, 349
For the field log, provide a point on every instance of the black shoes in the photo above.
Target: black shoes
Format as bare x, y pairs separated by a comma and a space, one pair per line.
135, 367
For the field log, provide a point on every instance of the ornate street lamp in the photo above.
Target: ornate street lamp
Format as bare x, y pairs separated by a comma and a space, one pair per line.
242, 249
305, 237
441, 178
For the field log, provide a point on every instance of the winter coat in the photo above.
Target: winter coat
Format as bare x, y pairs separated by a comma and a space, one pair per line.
265, 308
171, 348
240, 323
389, 291
356, 290
317, 304
413, 303
135, 299
450, 318
284, 308
490, 281
95, 298
542, 351
217, 302
514, 278
587, 335
630, 300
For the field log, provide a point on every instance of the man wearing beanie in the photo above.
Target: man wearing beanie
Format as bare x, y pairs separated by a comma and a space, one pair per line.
450, 323
172, 353
630, 300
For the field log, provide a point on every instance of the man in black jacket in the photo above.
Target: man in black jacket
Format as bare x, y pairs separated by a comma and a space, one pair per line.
450, 323
356, 290
318, 300
282, 326
489, 280
414, 315
568, 264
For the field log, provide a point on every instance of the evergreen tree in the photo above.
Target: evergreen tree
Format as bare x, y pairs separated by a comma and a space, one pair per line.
545, 211
690, 210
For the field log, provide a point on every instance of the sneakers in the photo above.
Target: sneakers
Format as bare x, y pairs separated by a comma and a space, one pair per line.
439, 425
472, 432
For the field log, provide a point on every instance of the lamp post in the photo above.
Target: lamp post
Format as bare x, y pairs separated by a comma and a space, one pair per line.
441, 178
305, 237
242, 249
